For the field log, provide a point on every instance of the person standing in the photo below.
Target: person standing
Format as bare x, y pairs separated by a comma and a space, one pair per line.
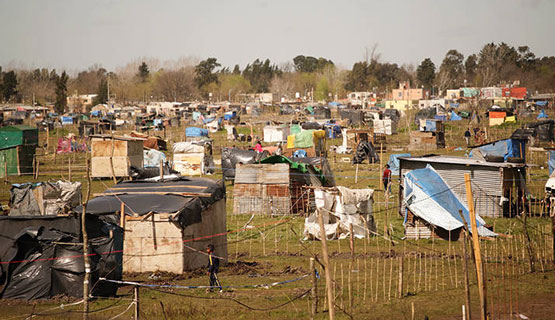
386, 178
258, 147
213, 267
467, 136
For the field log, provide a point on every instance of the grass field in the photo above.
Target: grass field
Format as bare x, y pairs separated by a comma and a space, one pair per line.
367, 283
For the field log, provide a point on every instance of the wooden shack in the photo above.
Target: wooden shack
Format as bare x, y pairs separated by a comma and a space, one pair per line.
355, 136
17, 149
168, 230
118, 152
430, 139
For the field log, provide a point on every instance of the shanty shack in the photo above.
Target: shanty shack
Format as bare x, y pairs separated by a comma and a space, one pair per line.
119, 153
275, 185
17, 149
41, 251
497, 186
430, 136
192, 158
276, 133
167, 223
432, 209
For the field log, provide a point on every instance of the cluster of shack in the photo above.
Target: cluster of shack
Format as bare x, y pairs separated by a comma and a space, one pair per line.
166, 206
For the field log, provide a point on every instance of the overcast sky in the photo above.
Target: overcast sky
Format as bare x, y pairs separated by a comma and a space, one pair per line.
77, 34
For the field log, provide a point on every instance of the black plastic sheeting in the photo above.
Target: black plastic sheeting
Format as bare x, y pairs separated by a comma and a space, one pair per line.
311, 126
544, 129
355, 117
423, 114
322, 113
365, 150
138, 200
232, 156
44, 263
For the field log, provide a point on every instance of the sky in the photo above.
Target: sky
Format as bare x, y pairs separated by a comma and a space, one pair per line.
74, 35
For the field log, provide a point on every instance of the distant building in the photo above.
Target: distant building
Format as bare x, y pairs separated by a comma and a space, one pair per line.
405, 92
80, 102
267, 97
361, 98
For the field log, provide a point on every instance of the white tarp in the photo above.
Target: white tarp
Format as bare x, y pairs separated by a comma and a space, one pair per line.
385, 126
152, 158
187, 147
340, 208
275, 133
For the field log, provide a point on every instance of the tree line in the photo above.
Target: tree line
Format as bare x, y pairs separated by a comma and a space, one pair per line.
494, 64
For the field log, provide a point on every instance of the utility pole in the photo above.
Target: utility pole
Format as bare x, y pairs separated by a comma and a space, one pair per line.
476, 247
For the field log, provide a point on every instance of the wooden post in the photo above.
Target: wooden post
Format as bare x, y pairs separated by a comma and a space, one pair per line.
112, 160
466, 280
329, 280
86, 247
476, 248
313, 291
136, 301
528, 244
37, 169
69, 169
122, 216
401, 265
6, 170
352, 242
553, 233
161, 170
356, 174
47, 135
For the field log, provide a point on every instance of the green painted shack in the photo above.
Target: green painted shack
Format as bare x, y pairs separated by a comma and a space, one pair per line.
17, 149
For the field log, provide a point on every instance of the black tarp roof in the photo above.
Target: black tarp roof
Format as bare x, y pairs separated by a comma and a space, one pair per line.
174, 196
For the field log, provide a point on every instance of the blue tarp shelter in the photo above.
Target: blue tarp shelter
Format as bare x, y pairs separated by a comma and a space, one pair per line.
96, 113
442, 117
394, 162
196, 132
230, 115
430, 126
429, 197
455, 117
551, 161
541, 103
503, 148
542, 115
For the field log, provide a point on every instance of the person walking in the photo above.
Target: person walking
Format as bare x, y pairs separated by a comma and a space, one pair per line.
386, 178
213, 267
467, 136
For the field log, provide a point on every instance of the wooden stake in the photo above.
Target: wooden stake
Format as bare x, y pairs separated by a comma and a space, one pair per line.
314, 293
352, 242
86, 258
329, 280
356, 174
69, 169
466, 279
6, 170
37, 170
476, 248
122, 216
161, 170
400, 289
136, 301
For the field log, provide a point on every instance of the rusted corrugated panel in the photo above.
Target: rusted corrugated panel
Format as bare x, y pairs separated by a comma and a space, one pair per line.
262, 173
261, 199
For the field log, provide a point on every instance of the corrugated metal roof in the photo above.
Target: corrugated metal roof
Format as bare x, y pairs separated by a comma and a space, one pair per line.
463, 161
262, 173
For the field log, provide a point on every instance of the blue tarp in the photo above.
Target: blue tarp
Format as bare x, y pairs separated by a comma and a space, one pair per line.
394, 162
542, 115
96, 113
152, 158
429, 197
438, 117
196, 115
503, 148
196, 132
300, 154
551, 162
541, 103
454, 105
455, 117
67, 120
207, 120
230, 115
157, 122
430, 125
332, 130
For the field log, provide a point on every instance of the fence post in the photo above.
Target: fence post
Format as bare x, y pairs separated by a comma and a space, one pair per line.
136, 301
314, 289
329, 281
476, 247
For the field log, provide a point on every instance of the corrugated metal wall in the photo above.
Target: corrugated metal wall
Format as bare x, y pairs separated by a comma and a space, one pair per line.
487, 184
